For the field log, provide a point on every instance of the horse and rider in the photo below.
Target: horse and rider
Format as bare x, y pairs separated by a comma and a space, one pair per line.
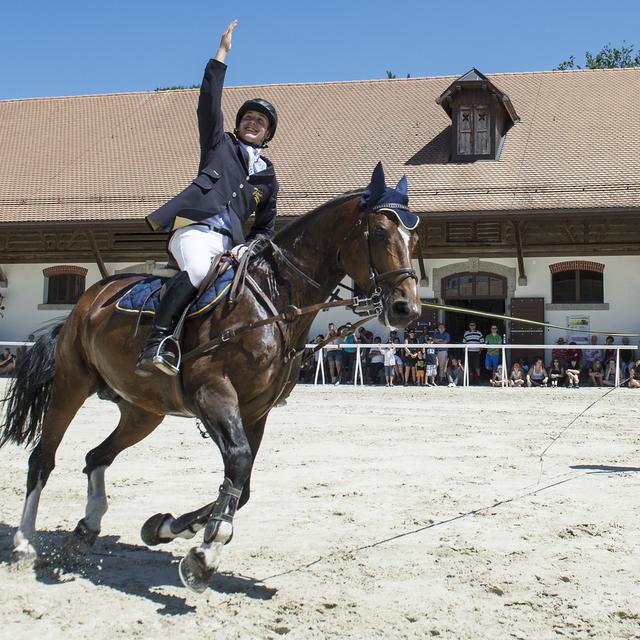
234, 181
241, 358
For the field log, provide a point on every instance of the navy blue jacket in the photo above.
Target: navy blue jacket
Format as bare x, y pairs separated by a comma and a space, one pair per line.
223, 175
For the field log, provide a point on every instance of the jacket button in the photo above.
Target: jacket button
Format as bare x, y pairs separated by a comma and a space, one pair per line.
242, 186
247, 179
234, 194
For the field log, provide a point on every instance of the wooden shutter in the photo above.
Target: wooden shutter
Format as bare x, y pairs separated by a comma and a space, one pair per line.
482, 136
521, 333
465, 116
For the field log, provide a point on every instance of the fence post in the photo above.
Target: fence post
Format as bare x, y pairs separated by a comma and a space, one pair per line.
617, 366
319, 366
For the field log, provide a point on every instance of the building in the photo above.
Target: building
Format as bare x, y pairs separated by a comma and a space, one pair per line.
528, 186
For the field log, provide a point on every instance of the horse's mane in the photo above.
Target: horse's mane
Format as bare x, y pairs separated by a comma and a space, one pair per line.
318, 211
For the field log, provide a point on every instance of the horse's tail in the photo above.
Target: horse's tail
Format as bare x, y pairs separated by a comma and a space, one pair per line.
27, 398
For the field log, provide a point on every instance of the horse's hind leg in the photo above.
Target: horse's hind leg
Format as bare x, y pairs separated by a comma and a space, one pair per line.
134, 425
68, 393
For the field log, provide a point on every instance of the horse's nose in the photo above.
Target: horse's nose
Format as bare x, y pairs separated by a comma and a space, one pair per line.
405, 310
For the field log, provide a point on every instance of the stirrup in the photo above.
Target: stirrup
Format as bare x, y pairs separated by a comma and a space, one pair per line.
162, 363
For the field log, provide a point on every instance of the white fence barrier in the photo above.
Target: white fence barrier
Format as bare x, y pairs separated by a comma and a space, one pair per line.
358, 377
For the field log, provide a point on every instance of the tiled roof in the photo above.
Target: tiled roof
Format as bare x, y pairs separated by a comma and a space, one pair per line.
119, 156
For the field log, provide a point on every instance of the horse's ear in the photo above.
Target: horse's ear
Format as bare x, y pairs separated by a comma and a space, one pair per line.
377, 185
403, 186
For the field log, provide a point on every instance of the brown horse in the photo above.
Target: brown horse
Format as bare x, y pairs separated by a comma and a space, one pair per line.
366, 235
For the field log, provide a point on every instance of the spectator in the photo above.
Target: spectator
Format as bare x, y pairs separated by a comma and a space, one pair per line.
348, 353
365, 337
556, 373
409, 357
389, 364
573, 373
593, 354
496, 379
561, 353
537, 375
455, 373
634, 375
376, 362
334, 355
431, 363
596, 373
7, 362
609, 378
516, 379
627, 356
609, 353
441, 336
474, 337
492, 358
420, 367
399, 366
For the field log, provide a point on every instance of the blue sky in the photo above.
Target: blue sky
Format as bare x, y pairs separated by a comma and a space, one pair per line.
72, 47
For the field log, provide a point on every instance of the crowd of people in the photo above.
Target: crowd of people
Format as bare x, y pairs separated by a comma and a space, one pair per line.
421, 358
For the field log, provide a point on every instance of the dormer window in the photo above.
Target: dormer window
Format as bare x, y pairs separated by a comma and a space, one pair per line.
481, 115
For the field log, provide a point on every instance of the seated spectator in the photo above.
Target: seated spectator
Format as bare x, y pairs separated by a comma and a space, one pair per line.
431, 363
573, 373
389, 364
609, 378
609, 353
627, 356
376, 362
556, 373
574, 353
455, 373
561, 353
420, 368
496, 379
7, 362
537, 375
634, 375
516, 379
596, 373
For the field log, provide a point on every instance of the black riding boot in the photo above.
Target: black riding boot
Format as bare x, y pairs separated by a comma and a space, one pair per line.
178, 294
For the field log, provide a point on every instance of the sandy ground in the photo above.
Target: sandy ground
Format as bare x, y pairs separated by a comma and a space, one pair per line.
395, 513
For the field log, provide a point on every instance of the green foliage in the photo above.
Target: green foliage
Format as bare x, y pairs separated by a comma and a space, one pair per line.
177, 86
392, 76
607, 58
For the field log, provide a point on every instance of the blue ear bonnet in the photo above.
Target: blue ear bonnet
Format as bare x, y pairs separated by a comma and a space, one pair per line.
378, 196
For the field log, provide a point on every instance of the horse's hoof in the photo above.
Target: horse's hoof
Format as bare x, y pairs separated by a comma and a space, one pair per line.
81, 539
24, 556
194, 573
150, 532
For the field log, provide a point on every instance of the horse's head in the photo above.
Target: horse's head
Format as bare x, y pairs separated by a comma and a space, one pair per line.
377, 253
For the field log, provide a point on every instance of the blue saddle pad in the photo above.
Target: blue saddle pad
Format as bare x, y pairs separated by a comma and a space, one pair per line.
144, 296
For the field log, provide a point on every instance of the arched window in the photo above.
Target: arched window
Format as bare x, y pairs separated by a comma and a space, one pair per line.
577, 281
64, 284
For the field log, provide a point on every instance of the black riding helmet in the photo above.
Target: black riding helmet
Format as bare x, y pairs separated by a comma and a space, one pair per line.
265, 107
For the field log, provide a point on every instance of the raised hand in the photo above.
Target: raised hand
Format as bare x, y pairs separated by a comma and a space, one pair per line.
225, 42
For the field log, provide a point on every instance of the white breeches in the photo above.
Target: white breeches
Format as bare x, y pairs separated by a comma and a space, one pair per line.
194, 247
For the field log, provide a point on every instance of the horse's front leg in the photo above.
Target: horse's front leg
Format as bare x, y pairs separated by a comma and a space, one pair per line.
220, 415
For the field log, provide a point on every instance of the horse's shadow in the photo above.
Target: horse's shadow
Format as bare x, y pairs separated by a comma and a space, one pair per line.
112, 563
604, 468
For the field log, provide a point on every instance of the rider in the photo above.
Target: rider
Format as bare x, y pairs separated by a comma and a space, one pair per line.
206, 219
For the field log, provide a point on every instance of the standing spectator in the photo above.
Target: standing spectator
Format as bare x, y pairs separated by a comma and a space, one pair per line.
399, 366
455, 373
441, 336
420, 367
609, 353
596, 373
376, 362
537, 375
431, 363
593, 354
561, 353
474, 337
348, 353
389, 364
609, 379
556, 373
409, 357
627, 356
365, 337
492, 358
334, 356
516, 379
7, 362
573, 373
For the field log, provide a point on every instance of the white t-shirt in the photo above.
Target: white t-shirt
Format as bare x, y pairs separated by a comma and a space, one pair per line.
389, 356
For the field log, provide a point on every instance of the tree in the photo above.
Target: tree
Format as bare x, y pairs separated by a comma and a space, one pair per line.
607, 58
178, 86
392, 76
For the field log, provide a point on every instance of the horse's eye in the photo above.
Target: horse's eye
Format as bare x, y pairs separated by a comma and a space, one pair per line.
380, 233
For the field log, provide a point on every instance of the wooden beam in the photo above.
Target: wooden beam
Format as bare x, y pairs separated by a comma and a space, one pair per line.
96, 252
522, 276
